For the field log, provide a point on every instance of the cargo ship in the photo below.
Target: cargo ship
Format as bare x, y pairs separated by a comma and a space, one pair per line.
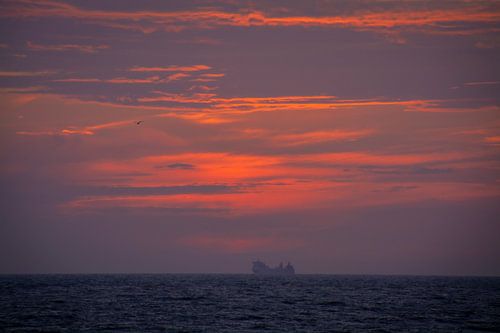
260, 268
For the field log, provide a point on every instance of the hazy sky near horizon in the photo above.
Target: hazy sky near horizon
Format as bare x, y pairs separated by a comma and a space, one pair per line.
196, 136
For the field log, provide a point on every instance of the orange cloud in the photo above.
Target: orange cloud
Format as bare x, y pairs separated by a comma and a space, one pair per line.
212, 75
202, 118
148, 21
240, 105
76, 131
492, 139
176, 76
272, 99
201, 79
203, 87
194, 68
221, 102
214, 109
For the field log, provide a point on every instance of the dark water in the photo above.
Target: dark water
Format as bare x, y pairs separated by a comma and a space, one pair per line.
245, 303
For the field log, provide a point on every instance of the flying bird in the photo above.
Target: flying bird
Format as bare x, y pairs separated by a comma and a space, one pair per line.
139, 122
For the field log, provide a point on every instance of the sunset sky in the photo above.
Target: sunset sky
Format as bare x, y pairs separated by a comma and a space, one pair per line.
195, 136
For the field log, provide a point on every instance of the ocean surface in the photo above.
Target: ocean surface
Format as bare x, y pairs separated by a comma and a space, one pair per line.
246, 303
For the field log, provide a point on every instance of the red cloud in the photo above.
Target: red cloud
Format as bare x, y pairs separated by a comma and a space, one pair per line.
277, 183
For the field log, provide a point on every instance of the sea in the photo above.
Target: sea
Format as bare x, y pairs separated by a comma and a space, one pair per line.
248, 303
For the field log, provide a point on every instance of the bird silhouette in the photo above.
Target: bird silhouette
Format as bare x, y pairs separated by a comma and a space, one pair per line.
139, 122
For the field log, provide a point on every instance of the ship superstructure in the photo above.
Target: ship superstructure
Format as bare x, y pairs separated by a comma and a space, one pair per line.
261, 268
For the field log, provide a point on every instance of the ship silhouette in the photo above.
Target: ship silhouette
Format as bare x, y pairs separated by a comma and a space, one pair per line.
260, 268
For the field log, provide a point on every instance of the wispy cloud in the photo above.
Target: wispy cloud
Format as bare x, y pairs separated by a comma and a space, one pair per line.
240, 244
200, 40
171, 74
22, 90
67, 47
127, 80
73, 130
306, 138
482, 83
437, 108
38, 133
24, 73
79, 80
